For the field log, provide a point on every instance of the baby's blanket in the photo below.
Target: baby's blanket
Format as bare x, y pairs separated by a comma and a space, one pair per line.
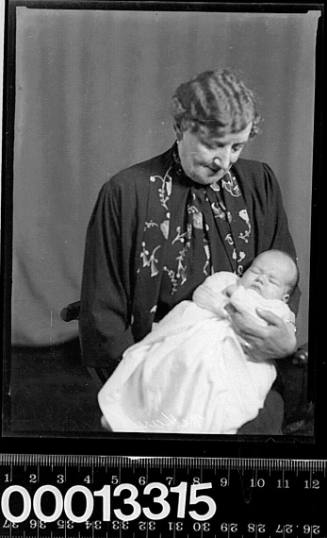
190, 374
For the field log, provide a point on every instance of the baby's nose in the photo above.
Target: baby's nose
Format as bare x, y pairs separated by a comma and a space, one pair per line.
260, 278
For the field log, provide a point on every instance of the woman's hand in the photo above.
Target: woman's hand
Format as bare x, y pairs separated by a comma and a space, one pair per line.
273, 341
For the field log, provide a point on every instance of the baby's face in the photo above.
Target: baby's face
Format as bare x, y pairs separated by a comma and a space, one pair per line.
269, 275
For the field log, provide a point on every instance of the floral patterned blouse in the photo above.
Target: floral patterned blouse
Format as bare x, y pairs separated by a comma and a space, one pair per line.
207, 228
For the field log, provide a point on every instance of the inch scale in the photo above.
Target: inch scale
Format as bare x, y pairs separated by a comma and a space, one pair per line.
74, 496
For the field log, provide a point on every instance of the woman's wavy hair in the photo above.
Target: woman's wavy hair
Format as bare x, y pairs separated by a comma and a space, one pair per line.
216, 100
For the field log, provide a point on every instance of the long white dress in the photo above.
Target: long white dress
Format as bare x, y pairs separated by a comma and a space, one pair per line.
190, 374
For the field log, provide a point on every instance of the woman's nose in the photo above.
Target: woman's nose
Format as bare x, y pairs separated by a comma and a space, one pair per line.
223, 158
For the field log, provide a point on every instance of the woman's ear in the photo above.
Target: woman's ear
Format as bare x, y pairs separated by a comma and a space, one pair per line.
178, 131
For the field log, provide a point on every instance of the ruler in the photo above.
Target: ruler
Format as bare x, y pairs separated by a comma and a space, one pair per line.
117, 496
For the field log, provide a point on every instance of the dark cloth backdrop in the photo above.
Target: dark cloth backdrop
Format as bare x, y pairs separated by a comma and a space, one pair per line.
93, 94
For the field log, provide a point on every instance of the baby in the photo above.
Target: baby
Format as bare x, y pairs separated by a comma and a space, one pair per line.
191, 373
273, 274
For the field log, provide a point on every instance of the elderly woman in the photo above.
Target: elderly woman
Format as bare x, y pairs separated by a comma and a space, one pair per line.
160, 227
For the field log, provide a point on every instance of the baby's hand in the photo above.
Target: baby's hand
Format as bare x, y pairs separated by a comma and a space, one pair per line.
230, 290
204, 297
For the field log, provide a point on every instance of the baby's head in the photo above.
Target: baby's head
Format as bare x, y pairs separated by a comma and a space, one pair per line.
273, 274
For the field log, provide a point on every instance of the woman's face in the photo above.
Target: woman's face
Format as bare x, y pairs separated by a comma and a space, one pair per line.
206, 158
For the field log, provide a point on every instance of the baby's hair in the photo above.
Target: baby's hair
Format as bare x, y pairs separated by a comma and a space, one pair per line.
295, 280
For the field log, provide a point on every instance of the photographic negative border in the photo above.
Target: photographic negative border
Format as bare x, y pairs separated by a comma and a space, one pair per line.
152, 444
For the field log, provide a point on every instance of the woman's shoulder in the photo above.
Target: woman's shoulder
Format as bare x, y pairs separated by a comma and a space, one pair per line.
253, 168
256, 176
138, 174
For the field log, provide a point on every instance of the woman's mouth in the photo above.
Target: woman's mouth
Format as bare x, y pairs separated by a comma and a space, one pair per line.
214, 171
218, 171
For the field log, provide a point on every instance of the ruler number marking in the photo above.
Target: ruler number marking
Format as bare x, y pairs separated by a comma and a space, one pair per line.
312, 484
257, 482
201, 526
287, 528
114, 479
36, 523
142, 480
159, 499
5, 504
32, 478
37, 499
9, 524
283, 483
64, 524
131, 500
209, 501
229, 527
177, 526
311, 529
169, 480
147, 525
256, 528
224, 482
119, 525
181, 490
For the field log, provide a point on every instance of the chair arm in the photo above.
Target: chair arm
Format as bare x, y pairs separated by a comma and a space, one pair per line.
300, 357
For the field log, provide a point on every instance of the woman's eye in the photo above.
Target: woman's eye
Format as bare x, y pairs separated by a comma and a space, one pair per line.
207, 145
238, 147
213, 146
